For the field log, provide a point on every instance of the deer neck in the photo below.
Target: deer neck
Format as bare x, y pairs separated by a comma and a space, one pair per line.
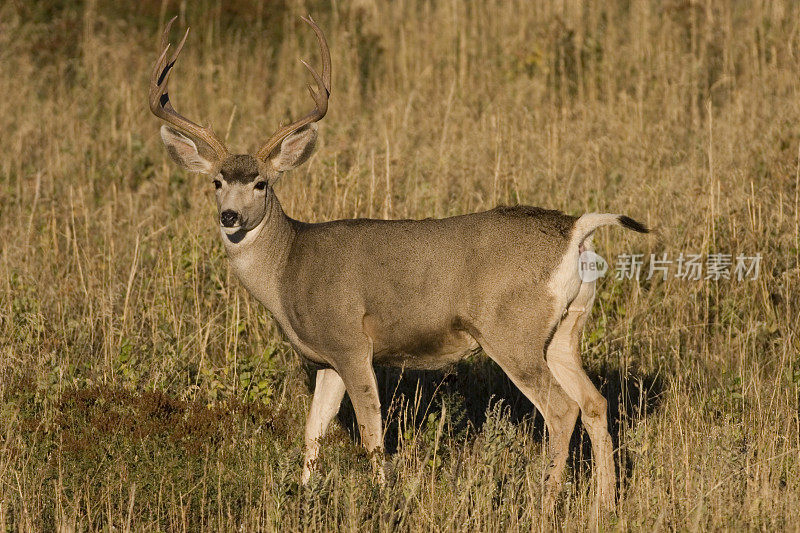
259, 257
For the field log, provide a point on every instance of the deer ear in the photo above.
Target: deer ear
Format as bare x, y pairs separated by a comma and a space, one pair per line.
184, 151
295, 149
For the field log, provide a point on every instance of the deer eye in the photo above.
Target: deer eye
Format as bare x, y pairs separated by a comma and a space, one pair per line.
261, 185
217, 184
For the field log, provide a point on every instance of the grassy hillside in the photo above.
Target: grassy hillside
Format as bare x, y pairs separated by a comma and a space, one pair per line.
141, 387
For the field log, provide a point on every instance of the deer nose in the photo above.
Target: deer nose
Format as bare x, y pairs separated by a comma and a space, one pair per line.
228, 218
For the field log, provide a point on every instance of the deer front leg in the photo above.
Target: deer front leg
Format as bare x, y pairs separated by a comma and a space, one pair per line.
328, 394
362, 387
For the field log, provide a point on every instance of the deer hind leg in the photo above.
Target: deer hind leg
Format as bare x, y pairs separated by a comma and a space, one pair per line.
563, 358
328, 394
523, 362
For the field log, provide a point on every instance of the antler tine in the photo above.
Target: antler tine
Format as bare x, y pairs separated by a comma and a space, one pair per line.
160, 104
320, 100
326, 55
320, 96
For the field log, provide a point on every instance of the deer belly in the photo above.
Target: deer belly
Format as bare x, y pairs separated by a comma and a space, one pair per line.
418, 348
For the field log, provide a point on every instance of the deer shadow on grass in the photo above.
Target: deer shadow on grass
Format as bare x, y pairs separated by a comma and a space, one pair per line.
477, 383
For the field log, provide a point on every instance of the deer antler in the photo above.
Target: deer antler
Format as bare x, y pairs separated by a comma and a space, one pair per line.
159, 99
320, 96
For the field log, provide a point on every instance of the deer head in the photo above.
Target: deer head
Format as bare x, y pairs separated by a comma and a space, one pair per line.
243, 182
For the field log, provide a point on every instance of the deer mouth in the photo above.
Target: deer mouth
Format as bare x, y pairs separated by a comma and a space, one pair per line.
234, 234
230, 230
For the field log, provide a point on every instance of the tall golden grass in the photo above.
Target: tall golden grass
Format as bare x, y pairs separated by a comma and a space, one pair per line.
142, 389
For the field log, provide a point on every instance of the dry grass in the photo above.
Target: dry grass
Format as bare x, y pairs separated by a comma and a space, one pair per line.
141, 388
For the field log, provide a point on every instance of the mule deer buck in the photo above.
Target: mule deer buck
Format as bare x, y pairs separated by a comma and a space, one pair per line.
349, 294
